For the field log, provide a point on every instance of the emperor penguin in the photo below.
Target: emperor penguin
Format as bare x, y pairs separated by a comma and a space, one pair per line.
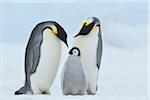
73, 81
42, 57
89, 41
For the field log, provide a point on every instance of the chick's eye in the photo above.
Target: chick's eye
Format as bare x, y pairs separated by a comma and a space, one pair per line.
74, 51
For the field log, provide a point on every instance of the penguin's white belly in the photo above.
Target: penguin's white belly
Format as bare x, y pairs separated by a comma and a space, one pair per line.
88, 48
47, 68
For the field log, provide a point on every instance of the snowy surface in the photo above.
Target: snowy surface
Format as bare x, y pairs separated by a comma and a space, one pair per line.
123, 75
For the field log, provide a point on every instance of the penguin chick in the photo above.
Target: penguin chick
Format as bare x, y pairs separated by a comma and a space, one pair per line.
73, 77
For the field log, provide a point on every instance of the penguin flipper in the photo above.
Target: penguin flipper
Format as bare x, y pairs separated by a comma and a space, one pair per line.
33, 50
99, 50
36, 57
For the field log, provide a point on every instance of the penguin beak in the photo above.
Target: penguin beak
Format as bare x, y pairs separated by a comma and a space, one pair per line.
85, 29
76, 35
66, 44
62, 35
88, 26
63, 38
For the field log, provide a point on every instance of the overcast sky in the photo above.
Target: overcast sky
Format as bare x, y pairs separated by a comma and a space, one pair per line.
122, 23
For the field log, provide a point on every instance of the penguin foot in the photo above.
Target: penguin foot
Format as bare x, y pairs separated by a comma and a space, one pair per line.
44, 92
90, 93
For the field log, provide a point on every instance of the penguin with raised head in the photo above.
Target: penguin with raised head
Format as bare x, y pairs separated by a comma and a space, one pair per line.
89, 41
42, 57
73, 80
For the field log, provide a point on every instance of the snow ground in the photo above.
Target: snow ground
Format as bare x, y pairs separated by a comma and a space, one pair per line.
123, 75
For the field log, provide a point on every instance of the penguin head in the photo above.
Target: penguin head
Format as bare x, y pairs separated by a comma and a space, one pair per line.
74, 51
59, 32
89, 25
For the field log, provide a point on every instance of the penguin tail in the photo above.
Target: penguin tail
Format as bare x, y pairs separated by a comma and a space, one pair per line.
22, 90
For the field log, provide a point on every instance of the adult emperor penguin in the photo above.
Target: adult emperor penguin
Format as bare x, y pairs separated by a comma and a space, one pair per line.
42, 57
73, 79
89, 41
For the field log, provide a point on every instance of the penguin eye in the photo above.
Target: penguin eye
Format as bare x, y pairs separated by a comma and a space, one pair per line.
75, 52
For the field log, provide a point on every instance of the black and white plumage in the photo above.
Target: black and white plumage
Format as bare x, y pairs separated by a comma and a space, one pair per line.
73, 76
89, 41
42, 57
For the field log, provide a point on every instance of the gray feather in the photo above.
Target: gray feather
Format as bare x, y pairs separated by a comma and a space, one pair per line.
73, 81
33, 47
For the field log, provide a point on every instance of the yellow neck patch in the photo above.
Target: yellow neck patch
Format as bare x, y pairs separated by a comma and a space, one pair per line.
54, 29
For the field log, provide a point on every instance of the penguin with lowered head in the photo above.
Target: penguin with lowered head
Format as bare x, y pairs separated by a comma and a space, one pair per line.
42, 57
